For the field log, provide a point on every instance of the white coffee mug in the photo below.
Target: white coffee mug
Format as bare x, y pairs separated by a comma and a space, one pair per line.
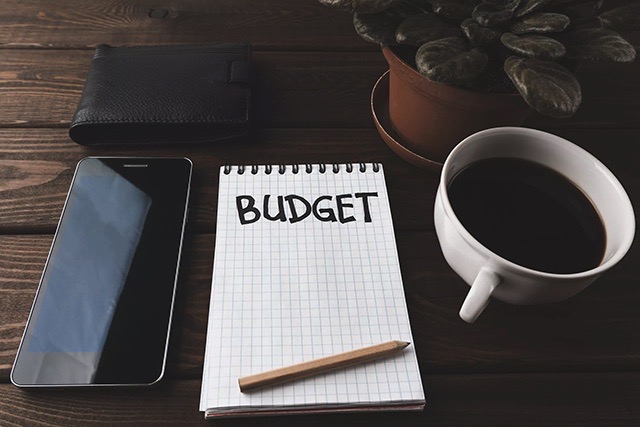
491, 275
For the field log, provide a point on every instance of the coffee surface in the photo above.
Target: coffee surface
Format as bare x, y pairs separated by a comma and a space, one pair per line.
528, 214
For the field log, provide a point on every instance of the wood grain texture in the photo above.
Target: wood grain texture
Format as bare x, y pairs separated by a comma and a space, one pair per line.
41, 88
267, 24
596, 330
36, 167
567, 400
575, 363
20, 270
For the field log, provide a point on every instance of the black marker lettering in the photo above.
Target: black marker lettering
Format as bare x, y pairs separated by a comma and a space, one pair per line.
282, 216
365, 204
341, 206
328, 214
242, 211
294, 214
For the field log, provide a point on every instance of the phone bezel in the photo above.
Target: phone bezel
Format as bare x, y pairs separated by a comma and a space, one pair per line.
175, 281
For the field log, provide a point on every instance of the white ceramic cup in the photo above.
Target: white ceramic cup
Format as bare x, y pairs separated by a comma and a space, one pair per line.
491, 275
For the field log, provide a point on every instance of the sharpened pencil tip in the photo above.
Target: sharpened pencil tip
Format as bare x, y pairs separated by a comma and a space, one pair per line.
403, 344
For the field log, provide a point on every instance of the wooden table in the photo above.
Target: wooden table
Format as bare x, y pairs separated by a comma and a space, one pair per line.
571, 363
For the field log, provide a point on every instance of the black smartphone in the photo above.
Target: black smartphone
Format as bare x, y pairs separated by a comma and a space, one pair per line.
102, 312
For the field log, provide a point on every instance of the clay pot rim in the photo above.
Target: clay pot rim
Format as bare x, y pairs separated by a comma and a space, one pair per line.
420, 82
377, 101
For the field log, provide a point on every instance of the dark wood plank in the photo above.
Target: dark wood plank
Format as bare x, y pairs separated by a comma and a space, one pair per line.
507, 369
452, 400
32, 88
267, 24
306, 89
596, 330
36, 166
20, 270
42, 88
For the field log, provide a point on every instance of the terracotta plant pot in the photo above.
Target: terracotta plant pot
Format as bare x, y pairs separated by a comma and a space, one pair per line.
431, 118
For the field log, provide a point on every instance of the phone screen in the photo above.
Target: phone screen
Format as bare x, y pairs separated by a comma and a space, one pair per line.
102, 312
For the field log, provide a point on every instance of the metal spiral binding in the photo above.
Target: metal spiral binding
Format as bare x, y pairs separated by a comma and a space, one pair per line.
295, 168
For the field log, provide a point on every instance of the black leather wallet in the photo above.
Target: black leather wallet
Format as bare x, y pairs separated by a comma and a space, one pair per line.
159, 94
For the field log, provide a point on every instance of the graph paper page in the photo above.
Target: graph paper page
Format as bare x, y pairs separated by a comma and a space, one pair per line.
285, 292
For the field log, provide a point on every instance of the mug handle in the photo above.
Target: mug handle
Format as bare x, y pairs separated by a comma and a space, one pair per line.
478, 297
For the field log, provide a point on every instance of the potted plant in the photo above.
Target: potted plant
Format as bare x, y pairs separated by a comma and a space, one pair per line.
458, 66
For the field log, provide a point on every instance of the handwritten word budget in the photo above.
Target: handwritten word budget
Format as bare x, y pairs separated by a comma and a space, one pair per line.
299, 208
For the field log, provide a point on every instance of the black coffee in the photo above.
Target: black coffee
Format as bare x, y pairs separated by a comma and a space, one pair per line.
528, 214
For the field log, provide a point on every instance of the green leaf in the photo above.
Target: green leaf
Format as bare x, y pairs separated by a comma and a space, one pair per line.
362, 6
599, 44
529, 6
450, 61
535, 46
377, 27
625, 18
453, 9
477, 34
425, 27
541, 23
488, 15
547, 87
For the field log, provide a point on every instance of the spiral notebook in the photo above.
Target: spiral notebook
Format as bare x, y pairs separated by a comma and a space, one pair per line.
306, 266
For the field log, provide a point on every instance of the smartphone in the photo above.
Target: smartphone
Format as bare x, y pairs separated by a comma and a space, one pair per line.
102, 312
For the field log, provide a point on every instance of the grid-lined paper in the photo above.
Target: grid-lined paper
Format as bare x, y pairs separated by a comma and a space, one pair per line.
284, 293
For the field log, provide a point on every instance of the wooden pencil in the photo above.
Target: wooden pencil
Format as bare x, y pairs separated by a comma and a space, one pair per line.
318, 366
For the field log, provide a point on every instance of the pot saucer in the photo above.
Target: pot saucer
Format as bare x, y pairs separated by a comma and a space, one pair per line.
380, 111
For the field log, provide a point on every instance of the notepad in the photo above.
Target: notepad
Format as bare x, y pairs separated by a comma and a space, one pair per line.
306, 266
